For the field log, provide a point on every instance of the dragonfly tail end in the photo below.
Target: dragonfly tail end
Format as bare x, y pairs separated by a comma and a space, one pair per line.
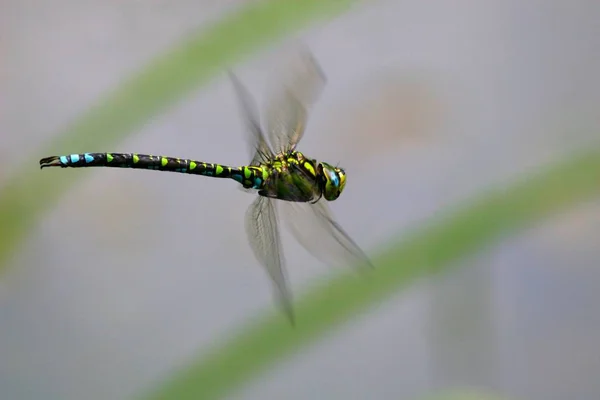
53, 161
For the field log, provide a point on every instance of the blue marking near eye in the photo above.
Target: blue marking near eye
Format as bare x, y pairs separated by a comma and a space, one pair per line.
64, 160
334, 178
237, 178
257, 183
88, 158
74, 158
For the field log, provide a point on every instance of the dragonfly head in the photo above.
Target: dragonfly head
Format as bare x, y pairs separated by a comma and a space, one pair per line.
333, 180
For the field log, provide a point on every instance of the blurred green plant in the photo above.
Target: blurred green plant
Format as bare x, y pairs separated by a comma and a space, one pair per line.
157, 86
430, 249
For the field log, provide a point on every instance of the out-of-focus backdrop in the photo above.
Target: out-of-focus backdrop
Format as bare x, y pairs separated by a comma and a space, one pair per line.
129, 276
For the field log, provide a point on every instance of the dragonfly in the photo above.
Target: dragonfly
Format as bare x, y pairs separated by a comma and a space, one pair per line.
281, 176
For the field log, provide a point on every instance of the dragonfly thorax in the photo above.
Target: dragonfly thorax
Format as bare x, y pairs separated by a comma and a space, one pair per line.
330, 180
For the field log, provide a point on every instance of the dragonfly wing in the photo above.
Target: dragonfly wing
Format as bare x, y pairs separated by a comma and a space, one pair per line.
286, 111
259, 148
315, 228
263, 233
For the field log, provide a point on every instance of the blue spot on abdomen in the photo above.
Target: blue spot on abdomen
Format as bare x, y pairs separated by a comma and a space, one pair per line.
74, 158
237, 177
88, 158
64, 160
257, 183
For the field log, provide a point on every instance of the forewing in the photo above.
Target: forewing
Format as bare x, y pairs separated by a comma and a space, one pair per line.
259, 148
263, 234
314, 227
289, 103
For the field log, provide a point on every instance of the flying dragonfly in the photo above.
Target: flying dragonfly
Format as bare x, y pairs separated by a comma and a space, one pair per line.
277, 171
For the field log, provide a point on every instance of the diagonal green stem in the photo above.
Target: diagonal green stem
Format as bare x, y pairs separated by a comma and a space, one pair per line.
429, 250
159, 84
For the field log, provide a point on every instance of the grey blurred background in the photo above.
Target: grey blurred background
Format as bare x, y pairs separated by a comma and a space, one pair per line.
427, 104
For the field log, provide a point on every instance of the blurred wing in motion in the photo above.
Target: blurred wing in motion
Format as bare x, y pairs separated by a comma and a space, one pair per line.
288, 105
263, 233
259, 148
313, 225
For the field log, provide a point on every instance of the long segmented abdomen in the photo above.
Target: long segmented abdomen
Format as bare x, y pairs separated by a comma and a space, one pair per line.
249, 176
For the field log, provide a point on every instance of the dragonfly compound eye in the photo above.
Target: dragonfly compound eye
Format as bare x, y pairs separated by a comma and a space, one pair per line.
334, 181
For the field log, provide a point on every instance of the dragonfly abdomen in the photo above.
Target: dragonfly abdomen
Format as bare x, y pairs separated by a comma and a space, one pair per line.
249, 176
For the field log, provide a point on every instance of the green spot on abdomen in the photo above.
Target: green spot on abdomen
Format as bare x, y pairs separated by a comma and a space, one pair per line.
164, 161
136, 159
192, 165
109, 157
247, 172
218, 170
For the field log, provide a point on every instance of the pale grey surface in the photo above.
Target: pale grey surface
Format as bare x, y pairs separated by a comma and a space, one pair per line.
134, 272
